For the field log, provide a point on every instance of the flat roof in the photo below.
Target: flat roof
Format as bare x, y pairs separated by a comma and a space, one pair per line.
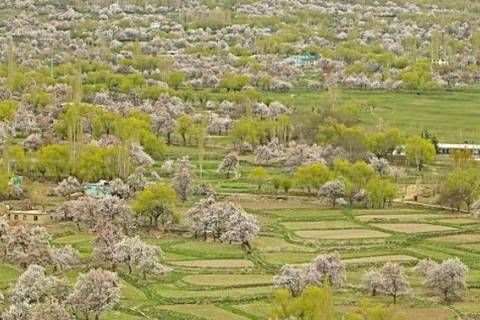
459, 146
27, 212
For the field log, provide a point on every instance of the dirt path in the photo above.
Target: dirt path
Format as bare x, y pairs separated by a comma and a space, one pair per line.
426, 205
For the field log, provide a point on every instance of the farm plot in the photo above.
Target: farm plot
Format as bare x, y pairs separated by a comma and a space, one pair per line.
228, 279
290, 257
387, 258
401, 217
210, 247
292, 215
458, 238
205, 311
269, 244
215, 294
412, 227
410, 313
341, 234
218, 263
315, 225
266, 205
459, 221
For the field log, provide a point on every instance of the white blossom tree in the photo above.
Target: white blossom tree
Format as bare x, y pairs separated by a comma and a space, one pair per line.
333, 190
68, 186
139, 157
273, 150
136, 181
128, 251
95, 292
447, 278
20, 311
168, 168
4, 227
107, 235
149, 261
29, 246
241, 227
372, 280
183, 178
229, 164
34, 286
195, 217
65, 257
326, 267
423, 266
290, 278
394, 281
381, 166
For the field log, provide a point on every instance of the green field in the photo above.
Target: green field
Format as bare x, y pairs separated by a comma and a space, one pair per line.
451, 116
226, 283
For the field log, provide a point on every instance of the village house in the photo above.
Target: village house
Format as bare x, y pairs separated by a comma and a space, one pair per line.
29, 217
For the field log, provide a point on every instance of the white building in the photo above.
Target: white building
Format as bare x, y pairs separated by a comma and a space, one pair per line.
447, 148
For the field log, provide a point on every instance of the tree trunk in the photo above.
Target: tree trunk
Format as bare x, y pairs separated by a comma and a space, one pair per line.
144, 275
129, 269
184, 139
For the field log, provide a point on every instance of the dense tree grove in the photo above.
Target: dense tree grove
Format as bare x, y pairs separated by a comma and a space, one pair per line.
135, 129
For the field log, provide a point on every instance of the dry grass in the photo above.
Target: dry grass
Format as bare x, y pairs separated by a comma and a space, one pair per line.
205, 311
459, 221
402, 217
387, 258
228, 279
313, 225
459, 238
341, 234
219, 263
412, 227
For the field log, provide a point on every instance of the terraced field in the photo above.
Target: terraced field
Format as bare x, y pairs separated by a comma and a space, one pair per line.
213, 280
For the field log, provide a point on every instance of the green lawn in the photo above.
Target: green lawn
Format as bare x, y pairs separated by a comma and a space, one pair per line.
451, 116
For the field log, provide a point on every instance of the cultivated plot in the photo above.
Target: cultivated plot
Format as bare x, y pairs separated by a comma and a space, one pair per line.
341, 234
412, 227
217, 263
210, 312
228, 279
312, 225
458, 238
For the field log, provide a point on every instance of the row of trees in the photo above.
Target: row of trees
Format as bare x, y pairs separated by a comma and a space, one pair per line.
446, 279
